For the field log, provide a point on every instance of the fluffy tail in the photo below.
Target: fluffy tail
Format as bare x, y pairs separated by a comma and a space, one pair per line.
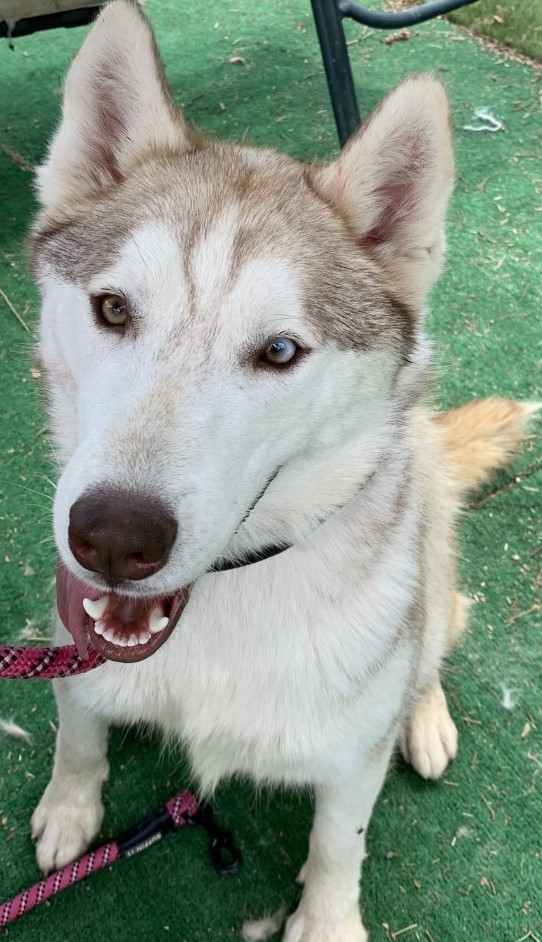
480, 437
476, 440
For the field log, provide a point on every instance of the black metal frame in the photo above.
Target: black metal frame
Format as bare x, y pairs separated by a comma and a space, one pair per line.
328, 17
31, 24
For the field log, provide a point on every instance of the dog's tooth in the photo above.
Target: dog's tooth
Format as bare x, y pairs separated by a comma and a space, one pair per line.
158, 621
95, 607
99, 627
159, 625
144, 637
132, 641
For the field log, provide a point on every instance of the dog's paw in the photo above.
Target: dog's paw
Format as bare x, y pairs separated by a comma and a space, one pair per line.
429, 738
65, 821
305, 926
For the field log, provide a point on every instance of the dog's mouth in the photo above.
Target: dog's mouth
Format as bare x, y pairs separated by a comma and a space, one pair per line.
120, 628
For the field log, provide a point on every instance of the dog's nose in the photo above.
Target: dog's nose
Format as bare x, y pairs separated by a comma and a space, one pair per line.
121, 535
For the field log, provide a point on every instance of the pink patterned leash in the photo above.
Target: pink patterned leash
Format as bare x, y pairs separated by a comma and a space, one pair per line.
46, 663
27, 663
184, 808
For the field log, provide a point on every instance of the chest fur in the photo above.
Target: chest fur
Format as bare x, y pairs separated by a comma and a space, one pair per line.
272, 664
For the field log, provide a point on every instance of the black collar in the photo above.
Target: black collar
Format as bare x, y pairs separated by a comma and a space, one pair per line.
255, 556
273, 549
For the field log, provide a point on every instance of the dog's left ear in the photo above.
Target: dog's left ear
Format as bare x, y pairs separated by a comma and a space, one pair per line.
117, 108
392, 183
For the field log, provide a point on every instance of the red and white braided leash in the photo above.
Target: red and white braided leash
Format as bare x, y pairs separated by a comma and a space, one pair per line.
178, 811
26, 663
21, 663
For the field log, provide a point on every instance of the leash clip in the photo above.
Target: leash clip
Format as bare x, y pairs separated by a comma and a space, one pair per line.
147, 832
225, 855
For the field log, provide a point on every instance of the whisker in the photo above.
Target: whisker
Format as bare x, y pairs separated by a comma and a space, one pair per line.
25, 488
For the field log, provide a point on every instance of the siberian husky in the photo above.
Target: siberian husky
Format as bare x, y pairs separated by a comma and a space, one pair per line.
255, 517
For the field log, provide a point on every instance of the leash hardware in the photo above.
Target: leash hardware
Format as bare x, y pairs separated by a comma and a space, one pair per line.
147, 832
225, 855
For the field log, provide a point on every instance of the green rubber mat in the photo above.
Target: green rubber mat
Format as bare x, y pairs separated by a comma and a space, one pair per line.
450, 861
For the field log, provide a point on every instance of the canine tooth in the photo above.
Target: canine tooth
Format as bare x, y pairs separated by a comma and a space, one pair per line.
99, 627
158, 621
144, 637
159, 625
95, 607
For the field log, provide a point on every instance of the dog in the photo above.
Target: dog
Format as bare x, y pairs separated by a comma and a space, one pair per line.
256, 514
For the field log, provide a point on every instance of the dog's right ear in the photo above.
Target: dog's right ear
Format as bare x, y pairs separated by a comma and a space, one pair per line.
392, 183
117, 107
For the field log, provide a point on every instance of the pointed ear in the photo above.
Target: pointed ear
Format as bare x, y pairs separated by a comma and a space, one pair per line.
392, 183
117, 107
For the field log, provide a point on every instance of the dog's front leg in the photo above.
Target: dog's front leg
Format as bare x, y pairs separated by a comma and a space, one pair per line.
329, 907
70, 812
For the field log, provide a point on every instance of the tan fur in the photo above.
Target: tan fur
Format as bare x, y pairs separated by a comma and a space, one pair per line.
304, 668
480, 437
363, 186
475, 440
72, 172
456, 451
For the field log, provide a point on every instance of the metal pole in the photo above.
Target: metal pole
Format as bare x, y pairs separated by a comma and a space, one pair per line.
426, 11
328, 20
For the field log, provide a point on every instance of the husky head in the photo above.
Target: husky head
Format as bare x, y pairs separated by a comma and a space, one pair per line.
226, 332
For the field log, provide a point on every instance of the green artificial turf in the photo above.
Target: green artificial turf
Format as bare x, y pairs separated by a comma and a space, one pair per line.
458, 860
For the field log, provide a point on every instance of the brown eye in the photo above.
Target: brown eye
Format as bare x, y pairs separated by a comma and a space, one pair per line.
282, 351
111, 310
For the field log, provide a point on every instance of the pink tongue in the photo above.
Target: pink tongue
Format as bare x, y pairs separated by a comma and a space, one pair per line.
122, 611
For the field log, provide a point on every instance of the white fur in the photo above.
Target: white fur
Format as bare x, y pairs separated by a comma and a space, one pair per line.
10, 728
302, 669
259, 929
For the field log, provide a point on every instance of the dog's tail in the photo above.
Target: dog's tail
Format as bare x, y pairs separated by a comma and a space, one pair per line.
477, 439
480, 437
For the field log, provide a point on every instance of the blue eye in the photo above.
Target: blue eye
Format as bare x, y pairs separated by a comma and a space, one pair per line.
280, 352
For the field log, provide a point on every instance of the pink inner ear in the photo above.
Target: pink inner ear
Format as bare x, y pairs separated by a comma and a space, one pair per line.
110, 126
394, 199
398, 196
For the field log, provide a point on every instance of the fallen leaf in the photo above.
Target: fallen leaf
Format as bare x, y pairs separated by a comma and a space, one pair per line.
401, 36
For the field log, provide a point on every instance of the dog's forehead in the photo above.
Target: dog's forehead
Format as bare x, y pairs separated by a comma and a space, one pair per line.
226, 219
241, 201
189, 279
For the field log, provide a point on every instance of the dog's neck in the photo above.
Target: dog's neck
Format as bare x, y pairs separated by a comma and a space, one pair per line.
312, 488
307, 493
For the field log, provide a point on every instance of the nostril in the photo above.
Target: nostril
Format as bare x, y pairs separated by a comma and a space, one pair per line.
82, 549
145, 559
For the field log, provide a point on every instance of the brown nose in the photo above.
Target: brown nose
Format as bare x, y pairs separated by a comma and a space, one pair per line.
121, 535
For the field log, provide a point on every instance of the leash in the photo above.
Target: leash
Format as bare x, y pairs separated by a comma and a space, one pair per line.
22, 663
47, 663
184, 808
29, 663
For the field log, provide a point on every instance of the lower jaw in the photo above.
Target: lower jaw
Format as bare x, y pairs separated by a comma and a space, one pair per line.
139, 652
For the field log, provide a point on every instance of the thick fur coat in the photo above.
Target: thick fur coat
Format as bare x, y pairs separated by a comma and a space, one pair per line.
309, 667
